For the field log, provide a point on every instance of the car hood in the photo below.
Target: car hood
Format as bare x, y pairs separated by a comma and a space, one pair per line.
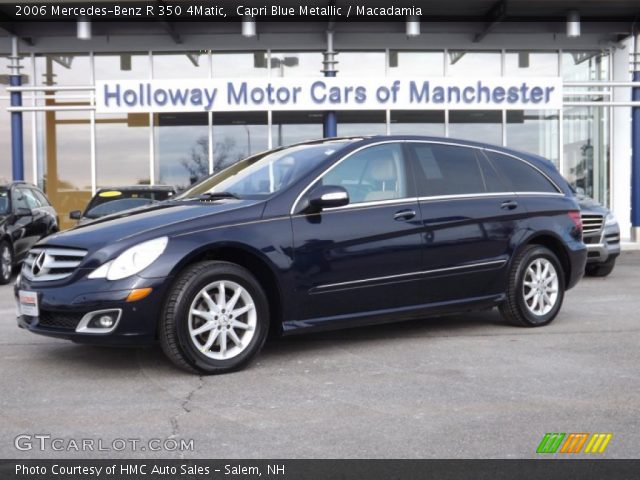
589, 205
160, 219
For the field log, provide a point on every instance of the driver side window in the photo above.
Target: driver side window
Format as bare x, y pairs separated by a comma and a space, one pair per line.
18, 199
373, 174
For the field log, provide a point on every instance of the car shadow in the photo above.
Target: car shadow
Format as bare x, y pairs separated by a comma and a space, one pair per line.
119, 360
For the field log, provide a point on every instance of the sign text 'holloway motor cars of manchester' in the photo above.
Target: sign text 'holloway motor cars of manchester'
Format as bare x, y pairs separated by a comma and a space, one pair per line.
220, 95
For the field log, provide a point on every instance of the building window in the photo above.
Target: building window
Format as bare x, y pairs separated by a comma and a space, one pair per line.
478, 125
237, 136
295, 127
122, 66
296, 64
525, 63
239, 65
417, 122
463, 63
361, 64
192, 64
584, 66
534, 131
181, 148
63, 69
417, 63
352, 123
122, 149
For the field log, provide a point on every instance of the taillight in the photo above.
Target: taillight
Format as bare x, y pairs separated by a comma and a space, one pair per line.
576, 218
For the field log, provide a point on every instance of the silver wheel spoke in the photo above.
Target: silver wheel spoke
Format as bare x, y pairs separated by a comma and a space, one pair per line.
234, 299
209, 301
222, 296
212, 338
242, 310
223, 342
240, 325
204, 315
234, 337
531, 293
207, 326
540, 286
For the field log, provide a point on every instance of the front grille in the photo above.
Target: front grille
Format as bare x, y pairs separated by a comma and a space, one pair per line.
591, 240
591, 223
44, 264
67, 321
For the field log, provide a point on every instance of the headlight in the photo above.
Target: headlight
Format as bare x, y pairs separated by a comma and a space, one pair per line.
610, 220
132, 261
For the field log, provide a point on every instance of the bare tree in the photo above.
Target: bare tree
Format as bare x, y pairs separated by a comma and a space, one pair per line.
224, 154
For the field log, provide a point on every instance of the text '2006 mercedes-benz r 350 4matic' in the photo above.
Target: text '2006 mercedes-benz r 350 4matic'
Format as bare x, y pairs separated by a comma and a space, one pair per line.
325, 234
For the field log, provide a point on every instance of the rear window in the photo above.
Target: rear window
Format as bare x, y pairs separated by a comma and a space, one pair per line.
106, 196
453, 170
521, 176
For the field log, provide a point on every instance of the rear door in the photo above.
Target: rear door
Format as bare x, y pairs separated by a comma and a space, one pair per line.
361, 257
469, 220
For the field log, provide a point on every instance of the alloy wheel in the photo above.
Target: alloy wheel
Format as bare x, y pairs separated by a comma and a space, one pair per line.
540, 286
222, 320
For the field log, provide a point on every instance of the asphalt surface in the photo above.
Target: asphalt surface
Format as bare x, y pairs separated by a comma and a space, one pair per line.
466, 386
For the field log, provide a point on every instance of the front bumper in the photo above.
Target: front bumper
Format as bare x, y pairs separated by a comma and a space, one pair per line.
604, 245
61, 309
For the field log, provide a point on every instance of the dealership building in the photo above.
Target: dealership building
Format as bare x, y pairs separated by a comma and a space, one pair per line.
108, 103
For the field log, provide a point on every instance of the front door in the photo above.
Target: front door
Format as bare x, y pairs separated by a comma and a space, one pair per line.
360, 257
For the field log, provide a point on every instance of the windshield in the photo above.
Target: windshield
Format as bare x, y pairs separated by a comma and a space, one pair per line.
263, 175
116, 206
109, 196
4, 201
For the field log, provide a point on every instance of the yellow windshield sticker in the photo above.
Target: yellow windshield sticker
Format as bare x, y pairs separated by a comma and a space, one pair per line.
110, 193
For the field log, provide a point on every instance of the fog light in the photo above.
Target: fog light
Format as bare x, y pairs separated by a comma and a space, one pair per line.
101, 321
105, 321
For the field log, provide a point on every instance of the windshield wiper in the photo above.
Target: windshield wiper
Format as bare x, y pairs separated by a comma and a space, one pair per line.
216, 195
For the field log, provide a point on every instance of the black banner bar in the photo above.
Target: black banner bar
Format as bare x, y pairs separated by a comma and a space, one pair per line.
543, 469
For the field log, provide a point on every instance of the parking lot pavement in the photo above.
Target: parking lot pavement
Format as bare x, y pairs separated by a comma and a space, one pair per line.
462, 386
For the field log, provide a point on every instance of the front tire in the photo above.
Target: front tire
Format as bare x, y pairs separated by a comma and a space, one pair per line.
6, 262
216, 318
536, 288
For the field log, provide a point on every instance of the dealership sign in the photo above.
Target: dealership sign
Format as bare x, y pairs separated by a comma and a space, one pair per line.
336, 93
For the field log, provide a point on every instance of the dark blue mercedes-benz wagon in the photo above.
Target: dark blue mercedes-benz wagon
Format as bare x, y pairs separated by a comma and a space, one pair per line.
325, 234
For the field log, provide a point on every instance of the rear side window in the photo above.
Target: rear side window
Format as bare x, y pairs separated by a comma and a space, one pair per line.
521, 176
452, 170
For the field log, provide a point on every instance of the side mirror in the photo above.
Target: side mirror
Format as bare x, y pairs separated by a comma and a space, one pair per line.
328, 196
23, 212
75, 215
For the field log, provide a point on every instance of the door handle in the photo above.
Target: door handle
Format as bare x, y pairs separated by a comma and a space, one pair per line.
407, 214
509, 205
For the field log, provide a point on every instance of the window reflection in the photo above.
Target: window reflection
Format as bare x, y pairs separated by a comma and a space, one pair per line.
417, 122
585, 65
67, 166
461, 62
63, 69
361, 64
586, 150
296, 64
239, 65
531, 64
295, 127
534, 131
478, 125
122, 66
361, 123
238, 135
181, 148
122, 149
193, 64
416, 63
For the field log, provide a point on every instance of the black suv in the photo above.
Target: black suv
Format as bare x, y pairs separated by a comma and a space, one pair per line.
325, 234
26, 216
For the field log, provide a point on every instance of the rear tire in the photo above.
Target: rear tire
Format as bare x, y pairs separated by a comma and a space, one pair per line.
6, 262
535, 289
601, 269
215, 320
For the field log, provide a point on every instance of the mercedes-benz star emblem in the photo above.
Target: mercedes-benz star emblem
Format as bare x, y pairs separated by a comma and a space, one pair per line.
38, 264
